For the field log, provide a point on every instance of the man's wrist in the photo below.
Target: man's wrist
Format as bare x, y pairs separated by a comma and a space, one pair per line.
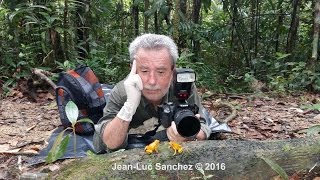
126, 112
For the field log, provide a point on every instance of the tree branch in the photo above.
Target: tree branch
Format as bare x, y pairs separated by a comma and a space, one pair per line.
43, 75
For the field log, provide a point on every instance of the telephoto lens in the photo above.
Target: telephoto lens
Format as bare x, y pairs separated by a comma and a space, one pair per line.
187, 123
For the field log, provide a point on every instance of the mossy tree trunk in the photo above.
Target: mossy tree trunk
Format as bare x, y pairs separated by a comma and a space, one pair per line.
227, 159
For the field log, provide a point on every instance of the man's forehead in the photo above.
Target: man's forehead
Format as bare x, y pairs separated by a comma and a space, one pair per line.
147, 66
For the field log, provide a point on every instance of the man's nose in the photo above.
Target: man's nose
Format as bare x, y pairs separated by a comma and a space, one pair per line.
152, 79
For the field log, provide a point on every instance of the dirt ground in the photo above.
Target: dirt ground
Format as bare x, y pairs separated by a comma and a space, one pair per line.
26, 125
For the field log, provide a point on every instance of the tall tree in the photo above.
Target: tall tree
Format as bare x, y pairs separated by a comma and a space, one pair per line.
254, 32
135, 15
146, 18
292, 35
156, 22
234, 16
182, 42
168, 15
279, 25
196, 21
176, 21
66, 27
316, 24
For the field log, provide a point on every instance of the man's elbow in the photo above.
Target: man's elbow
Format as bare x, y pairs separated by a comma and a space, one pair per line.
112, 144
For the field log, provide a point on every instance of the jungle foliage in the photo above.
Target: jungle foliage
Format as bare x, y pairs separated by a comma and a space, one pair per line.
230, 43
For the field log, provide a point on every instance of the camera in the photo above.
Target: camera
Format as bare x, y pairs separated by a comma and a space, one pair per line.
182, 113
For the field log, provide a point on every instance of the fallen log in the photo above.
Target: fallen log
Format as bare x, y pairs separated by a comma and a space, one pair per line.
227, 159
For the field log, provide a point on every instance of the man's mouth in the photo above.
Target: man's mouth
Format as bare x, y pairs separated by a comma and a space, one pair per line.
151, 91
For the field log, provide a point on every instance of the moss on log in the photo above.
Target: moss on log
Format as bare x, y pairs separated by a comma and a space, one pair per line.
228, 159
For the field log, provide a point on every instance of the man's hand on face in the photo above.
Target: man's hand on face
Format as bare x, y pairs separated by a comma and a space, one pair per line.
133, 86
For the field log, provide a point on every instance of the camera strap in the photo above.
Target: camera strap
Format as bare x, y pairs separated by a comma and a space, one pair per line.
152, 132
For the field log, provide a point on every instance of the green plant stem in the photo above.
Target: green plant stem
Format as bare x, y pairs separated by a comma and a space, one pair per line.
74, 143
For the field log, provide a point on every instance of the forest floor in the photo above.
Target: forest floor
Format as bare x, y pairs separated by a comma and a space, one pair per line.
25, 125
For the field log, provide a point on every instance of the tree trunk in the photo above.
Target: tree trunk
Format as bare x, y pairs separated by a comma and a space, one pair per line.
292, 35
182, 43
135, 14
257, 28
233, 25
196, 20
123, 25
168, 16
65, 31
252, 30
280, 23
146, 18
228, 159
176, 21
156, 22
316, 24
55, 41
254, 33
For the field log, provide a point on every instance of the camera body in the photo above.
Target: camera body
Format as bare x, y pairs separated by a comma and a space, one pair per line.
182, 113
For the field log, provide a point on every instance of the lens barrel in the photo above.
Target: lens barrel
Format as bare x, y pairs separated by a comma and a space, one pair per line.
187, 124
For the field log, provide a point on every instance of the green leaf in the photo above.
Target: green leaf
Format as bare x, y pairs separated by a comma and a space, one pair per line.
281, 55
85, 120
72, 112
276, 168
59, 147
41, 7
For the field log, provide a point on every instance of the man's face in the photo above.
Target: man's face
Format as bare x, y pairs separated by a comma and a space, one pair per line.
155, 69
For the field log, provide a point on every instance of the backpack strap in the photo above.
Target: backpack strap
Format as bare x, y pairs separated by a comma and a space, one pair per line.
60, 93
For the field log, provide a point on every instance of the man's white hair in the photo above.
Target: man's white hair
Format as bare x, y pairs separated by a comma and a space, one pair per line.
153, 41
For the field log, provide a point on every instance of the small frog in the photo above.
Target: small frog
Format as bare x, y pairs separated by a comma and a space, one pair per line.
176, 147
152, 147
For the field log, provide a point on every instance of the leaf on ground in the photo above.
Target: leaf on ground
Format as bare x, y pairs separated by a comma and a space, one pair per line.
276, 168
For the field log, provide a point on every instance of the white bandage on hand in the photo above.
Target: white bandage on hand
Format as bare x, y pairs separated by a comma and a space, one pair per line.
133, 86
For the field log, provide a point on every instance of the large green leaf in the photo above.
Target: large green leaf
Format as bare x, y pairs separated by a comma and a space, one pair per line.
276, 168
58, 148
72, 112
